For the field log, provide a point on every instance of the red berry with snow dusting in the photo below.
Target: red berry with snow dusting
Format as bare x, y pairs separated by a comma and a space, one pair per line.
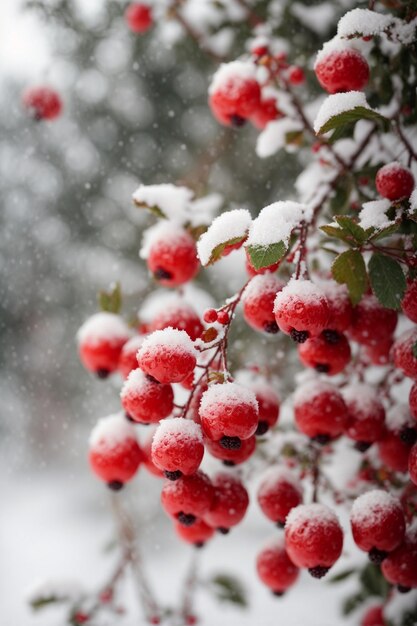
296, 75
231, 456
278, 493
412, 400
268, 406
188, 498
374, 616
177, 313
301, 310
409, 301
114, 453
198, 533
138, 17
327, 354
177, 447
258, 302
394, 181
371, 322
399, 437
403, 353
320, 411
266, 112
341, 70
146, 447
366, 423
144, 399
100, 342
274, 567
380, 353
168, 355
127, 358
313, 537
171, 254
210, 316
340, 307
43, 103
234, 93
378, 523
229, 413
412, 464
230, 502
400, 567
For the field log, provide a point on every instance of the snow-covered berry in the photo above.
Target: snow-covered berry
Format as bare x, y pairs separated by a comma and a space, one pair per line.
144, 399
100, 342
234, 93
229, 504
409, 301
274, 567
329, 353
258, 302
341, 70
320, 411
231, 456
197, 534
394, 181
278, 493
127, 358
400, 567
366, 422
171, 254
371, 322
405, 353
167, 355
177, 447
268, 406
266, 112
176, 313
188, 498
301, 310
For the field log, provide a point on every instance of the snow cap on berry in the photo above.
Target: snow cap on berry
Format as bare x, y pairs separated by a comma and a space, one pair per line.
165, 230
110, 431
103, 326
168, 338
371, 507
232, 74
229, 393
176, 428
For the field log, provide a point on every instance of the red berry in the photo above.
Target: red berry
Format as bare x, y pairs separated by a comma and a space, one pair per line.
167, 355
393, 452
229, 504
320, 411
144, 399
234, 94
268, 406
188, 498
229, 413
177, 446
400, 567
80, 618
139, 17
380, 353
171, 255
100, 342
301, 310
114, 454
394, 181
42, 102
340, 307
374, 616
279, 492
371, 322
327, 354
412, 400
266, 112
378, 523
258, 302
147, 457
198, 533
403, 353
223, 317
127, 358
180, 315
274, 567
366, 423
210, 316
296, 75
341, 70
314, 538
412, 464
232, 456
409, 301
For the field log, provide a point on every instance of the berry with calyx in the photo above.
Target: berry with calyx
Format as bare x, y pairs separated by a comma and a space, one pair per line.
127, 359
301, 310
267, 111
327, 354
320, 411
144, 399
378, 523
274, 567
341, 70
394, 181
100, 342
178, 446
167, 355
176, 313
188, 498
229, 504
138, 17
114, 452
409, 301
231, 457
278, 493
43, 103
234, 93
313, 538
400, 566
229, 412
371, 322
258, 302
405, 353
197, 534
366, 422
268, 406
171, 254
374, 616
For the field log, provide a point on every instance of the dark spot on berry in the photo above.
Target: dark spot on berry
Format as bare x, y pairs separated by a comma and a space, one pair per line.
278, 594
322, 368
319, 571
186, 519
237, 121
115, 485
152, 379
362, 446
229, 463
403, 589
199, 544
223, 531
102, 373
262, 428
129, 418
161, 274
299, 336
173, 475
321, 439
331, 336
230, 443
271, 327
408, 435
377, 556
280, 524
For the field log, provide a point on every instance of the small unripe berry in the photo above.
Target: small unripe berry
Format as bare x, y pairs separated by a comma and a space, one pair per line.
144, 399
127, 359
178, 446
371, 322
341, 70
400, 567
366, 423
403, 353
267, 111
188, 497
301, 310
234, 94
394, 181
138, 17
229, 504
43, 103
231, 457
100, 342
274, 567
258, 302
167, 355
278, 493
210, 316
327, 354
319, 410
198, 533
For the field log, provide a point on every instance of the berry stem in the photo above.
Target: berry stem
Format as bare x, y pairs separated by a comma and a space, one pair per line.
315, 467
175, 13
189, 586
411, 152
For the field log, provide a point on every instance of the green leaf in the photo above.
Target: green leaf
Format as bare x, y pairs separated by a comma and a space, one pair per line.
384, 232
353, 602
352, 116
154, 209
264, 256
111, 301
349, 225
229, 589
414, 350
373, 582
217, 252
41, 602
334, 231
349, 268
387, 280
342, 576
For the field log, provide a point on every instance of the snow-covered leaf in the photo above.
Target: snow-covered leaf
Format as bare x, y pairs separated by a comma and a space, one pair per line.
228, 229
387, 280
350, 117
352, 228
349, 268
341, 109
264, 256
111, 301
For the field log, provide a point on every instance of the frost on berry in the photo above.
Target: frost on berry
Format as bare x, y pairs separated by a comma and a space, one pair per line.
394, 448
100, 342
268, 406
341, 70
127, 359
168, 355
340, 307
400, 567
394, 181
228, 410
188, 498
177, 313
366, 422
229, 504
319, 410
144, 399
327, 354
279, 492
177, 446
258, 302
403, 353
274, 567
301, 309
371, 322
231, 456
409, 301
234, 93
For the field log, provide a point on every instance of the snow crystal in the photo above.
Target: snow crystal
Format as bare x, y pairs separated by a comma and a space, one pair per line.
232, 73
339, 103
299, 289
273, 137
163, 230
167, 338
363, 22
173, 201
228, 393
363, 399
176, 428
311, 514
373, 214
135, 382
333, 45
370, 507
110, 431
275, 474
399, 417
309, 390
103, 326
230, 225
275, 223
261, 284
413, 201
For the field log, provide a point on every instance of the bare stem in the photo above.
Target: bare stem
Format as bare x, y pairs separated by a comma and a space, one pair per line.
190, 586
